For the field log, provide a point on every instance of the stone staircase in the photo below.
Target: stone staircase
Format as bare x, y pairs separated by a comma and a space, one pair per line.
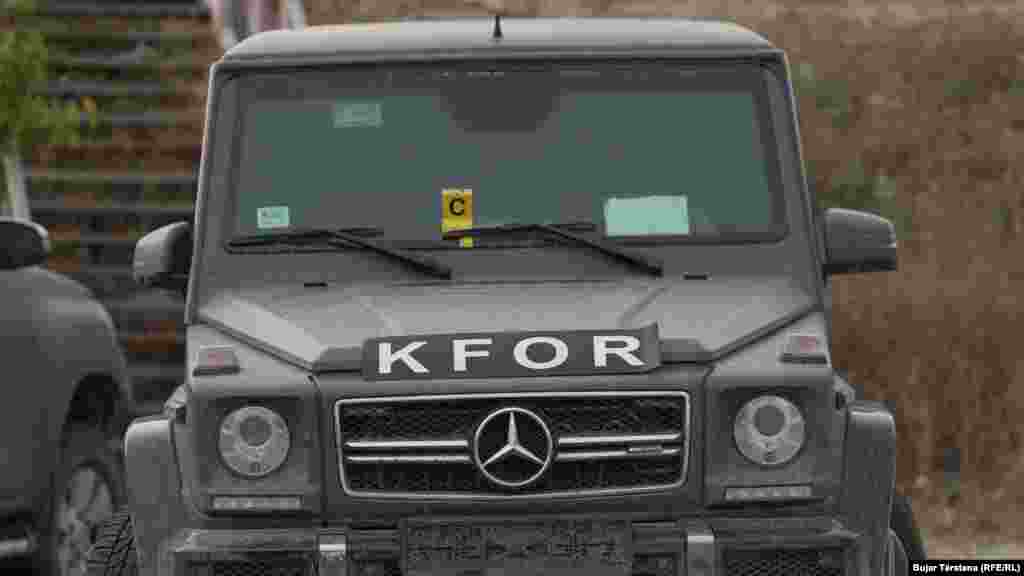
142, 67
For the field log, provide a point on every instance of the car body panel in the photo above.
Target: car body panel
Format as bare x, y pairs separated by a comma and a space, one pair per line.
519, 35
154, 487
324, 329
56, 335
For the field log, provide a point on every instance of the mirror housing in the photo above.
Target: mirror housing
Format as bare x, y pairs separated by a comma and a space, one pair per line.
22, 244
163, 257
858, 242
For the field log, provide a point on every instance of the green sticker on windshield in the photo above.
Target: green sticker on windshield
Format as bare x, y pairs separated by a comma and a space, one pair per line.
358, 114
646, 216
272, 217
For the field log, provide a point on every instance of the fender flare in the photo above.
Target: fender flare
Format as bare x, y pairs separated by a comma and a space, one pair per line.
83, 328
869, 478
153, 487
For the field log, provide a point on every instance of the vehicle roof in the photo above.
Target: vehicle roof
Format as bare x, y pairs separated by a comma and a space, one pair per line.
474, 35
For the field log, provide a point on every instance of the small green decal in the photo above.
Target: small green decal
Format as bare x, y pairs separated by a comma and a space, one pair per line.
272, 217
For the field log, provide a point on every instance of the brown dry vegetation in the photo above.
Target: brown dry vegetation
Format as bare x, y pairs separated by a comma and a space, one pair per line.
915, 109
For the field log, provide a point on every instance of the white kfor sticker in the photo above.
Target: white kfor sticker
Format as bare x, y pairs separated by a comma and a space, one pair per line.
358, 115
272, 217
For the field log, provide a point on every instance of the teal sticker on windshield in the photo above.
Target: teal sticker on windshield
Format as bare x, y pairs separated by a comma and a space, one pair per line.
272, 217
646, 216
358, 115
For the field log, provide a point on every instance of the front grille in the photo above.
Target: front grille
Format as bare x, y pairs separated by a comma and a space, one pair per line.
263, 564
423, 446
784, 562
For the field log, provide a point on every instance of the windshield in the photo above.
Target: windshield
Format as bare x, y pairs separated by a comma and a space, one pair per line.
651, 151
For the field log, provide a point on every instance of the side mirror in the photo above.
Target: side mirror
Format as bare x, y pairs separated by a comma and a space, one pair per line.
163, 257
22, 244
858, 242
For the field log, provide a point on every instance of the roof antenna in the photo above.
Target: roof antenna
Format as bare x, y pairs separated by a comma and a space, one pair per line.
497, 35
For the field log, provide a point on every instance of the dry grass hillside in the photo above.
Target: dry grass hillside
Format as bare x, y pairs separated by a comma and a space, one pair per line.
914, 109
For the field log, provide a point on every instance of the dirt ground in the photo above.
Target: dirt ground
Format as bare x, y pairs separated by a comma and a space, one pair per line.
914, 109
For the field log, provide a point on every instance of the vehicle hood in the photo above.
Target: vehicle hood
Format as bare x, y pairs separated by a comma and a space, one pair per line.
324, 329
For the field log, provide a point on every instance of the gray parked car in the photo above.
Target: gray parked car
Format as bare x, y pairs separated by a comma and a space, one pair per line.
540, 296
66, 391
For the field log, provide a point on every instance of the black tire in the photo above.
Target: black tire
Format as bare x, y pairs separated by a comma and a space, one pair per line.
113, 554
903, 524
84, 447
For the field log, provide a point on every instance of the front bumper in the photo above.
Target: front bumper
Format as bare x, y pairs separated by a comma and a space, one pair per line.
690, 547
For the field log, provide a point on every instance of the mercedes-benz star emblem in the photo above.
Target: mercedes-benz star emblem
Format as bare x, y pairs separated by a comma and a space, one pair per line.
512, 447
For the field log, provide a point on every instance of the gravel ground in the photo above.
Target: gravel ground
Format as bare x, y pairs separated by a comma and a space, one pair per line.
960, 550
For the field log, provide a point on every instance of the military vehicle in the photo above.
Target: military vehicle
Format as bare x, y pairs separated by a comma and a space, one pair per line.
496, 295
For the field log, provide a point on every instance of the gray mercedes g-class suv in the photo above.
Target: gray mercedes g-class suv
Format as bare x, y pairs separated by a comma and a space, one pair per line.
518, 296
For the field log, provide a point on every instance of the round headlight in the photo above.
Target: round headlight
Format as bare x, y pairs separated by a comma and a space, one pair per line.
254, 441
769, 430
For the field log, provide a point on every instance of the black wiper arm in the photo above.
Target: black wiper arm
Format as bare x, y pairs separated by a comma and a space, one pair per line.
341, 237
562, 231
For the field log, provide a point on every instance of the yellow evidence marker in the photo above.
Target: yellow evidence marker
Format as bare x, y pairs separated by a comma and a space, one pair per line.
457, 212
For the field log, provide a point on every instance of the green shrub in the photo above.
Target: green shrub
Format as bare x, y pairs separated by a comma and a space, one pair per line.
27, 120
857, 189
830, 96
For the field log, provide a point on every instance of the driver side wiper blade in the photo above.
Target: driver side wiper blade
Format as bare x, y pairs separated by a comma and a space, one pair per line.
344, 237
562, 231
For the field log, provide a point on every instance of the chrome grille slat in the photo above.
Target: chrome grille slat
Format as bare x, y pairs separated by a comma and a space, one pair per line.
614, 455
411, 459
605, 443
406, 444
666, 438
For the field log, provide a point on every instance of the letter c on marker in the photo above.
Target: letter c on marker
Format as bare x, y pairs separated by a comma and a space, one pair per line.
461, 206
561, 353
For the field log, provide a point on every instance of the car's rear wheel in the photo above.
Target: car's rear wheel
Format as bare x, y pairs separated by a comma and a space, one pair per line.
114, 551
85, 491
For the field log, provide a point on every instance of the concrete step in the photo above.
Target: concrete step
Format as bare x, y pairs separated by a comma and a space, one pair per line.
146, 311
139, 345
93, 89
140, 65
145, 120
153, 349
150, 155
113, 178
179, 211
95, 37
94, 240
121, 10
82, 188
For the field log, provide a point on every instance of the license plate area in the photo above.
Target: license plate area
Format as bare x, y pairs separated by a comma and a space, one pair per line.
574, 547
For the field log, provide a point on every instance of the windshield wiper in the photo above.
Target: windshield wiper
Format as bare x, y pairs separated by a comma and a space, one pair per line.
561, 231
344, 237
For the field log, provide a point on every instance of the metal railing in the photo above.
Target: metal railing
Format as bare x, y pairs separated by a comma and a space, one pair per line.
235, 22
14, 175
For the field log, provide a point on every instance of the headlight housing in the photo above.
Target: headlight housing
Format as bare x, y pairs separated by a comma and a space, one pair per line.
769, 430
254, 441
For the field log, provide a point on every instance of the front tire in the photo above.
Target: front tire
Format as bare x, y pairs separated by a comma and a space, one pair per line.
903, 524
114, 552
85, 491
